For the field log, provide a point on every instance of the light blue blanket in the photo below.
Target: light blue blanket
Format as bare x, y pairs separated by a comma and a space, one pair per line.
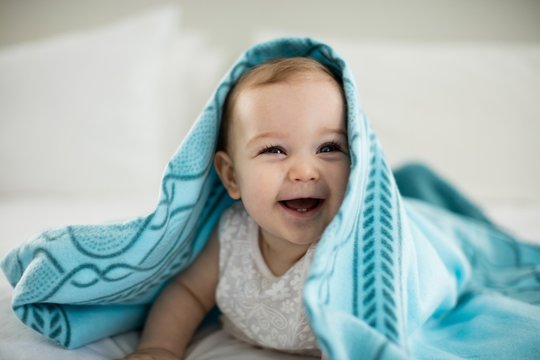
391, 278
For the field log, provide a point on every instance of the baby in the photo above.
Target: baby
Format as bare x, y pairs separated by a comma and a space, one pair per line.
283, 152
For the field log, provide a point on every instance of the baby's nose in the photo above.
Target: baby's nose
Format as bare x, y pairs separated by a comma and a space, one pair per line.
302, 171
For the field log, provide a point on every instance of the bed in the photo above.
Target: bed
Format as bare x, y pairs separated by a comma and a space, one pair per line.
478, 86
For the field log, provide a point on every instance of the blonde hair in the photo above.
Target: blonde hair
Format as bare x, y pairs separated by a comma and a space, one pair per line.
271, 72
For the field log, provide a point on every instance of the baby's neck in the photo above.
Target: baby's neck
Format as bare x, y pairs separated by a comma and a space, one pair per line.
280, 257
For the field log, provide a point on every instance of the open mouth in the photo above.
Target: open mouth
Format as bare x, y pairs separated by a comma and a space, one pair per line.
302, 205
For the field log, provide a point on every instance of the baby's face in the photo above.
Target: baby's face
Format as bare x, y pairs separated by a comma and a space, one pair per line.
290, 154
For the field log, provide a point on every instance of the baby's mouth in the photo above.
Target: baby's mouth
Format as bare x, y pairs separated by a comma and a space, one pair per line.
302, 205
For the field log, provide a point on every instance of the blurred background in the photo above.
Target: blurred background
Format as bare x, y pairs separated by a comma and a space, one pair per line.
95, 96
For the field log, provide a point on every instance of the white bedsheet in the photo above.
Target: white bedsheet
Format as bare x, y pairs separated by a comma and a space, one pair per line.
17, 342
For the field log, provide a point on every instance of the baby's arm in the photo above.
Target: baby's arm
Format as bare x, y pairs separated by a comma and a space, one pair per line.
180, 308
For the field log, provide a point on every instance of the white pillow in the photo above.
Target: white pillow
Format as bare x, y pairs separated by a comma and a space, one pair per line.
86, 113
469, 110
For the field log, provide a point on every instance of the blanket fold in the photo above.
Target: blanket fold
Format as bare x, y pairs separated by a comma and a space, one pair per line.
392, 277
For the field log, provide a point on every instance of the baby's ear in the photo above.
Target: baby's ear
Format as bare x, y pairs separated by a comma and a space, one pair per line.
225, 169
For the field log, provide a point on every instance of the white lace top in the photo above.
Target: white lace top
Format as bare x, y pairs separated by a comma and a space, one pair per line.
257, 306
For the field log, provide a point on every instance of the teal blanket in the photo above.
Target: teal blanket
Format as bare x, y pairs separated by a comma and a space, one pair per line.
391, 278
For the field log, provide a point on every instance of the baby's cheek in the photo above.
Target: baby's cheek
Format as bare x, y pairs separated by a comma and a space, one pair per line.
261, 181
340, 178
254, 189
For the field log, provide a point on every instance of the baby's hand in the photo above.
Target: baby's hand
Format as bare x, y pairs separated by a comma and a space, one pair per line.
151, 354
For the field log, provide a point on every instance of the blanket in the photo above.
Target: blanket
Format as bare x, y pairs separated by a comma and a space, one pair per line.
392, 277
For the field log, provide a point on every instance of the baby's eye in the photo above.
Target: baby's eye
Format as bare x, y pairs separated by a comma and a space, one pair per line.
330, 147
273, 150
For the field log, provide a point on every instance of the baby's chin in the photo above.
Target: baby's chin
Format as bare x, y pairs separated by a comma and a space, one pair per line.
305, 238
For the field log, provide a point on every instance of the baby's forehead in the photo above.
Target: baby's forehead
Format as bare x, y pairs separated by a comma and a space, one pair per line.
276, 71
287, 102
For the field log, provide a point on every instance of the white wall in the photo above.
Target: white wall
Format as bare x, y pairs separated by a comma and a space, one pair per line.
451, 83
232, 23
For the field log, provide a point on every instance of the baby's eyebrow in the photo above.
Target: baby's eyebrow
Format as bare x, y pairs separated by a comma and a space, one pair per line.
341, 132
268, 134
